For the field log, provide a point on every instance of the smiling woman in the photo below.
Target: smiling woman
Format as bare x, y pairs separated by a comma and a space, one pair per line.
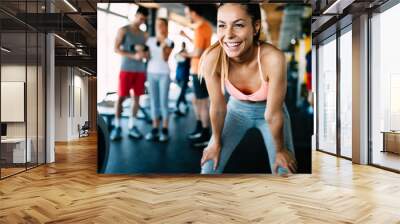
252, 133
254, 74
233, 29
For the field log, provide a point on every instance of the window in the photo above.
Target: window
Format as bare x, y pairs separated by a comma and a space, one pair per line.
385, 88
22, 75
327, 95
346, 93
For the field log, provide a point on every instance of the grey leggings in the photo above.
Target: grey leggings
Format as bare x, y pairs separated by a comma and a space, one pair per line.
158, 91
240, 117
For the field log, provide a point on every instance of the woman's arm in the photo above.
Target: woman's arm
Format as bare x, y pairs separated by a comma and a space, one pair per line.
166, 50
277, 84
217, 107
275, 63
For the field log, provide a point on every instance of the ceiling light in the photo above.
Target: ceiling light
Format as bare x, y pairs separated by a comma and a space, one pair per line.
84, 71
333, 6
5, 50
70, 5
64, 40
337, 7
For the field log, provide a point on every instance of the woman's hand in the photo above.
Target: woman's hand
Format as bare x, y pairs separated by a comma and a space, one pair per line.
184, 54
211, 152
284, 160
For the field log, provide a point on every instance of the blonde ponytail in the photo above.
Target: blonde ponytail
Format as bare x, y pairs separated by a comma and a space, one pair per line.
219, 66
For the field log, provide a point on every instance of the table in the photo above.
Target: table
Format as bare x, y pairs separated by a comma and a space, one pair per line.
13, 150
391, 141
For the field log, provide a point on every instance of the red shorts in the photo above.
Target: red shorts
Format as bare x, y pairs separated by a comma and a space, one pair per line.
131, 80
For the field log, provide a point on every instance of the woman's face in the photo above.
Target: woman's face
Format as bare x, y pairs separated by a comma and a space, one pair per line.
161, 27
235, 29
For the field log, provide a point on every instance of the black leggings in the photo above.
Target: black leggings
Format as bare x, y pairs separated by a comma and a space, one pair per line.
182, 99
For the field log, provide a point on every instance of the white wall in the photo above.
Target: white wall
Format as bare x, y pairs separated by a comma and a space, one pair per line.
71, 94
61, 103
80, 96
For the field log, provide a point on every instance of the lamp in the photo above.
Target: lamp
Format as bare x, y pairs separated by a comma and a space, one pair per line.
64, 40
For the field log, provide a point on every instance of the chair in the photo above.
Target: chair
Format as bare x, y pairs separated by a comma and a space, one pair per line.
84, 130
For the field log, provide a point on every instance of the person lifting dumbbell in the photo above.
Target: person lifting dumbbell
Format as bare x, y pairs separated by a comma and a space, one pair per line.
130, 44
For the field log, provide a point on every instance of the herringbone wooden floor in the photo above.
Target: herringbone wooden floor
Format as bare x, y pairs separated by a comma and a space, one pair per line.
70, 191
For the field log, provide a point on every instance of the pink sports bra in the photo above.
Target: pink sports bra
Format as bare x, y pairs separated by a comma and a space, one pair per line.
259, 95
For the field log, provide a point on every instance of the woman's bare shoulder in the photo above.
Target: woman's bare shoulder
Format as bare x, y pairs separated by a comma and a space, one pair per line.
209, 61
273, 61
270, 53
211, 54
